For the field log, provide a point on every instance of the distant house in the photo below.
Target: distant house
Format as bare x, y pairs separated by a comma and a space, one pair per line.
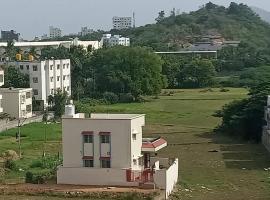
17, 102
109, 150
109, 40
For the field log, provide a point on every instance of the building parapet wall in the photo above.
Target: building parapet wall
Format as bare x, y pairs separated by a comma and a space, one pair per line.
96, 177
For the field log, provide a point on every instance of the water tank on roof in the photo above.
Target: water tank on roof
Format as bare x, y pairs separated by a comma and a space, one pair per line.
30, 57
70, 110
18, 56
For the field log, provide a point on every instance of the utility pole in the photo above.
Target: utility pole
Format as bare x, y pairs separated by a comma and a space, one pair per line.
19, 136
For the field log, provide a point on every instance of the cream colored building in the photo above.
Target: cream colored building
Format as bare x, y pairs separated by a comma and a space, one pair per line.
46, 77
109, 150
17, 102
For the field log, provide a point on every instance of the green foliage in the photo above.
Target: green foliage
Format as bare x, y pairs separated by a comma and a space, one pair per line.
10, 164
126, 98
183, 73
110, 97
245, 118
197, 74
248, 77
237, 22
38, 176
119, 69
59, 101
42, 170
14, 78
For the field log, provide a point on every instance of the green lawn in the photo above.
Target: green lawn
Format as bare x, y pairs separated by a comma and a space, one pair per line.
211, 166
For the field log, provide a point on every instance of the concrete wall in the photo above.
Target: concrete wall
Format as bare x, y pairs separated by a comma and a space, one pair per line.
171, 177
86, 176
266, 138
167, 178
73, 141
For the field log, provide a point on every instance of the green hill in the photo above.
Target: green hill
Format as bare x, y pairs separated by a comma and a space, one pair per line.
237, 22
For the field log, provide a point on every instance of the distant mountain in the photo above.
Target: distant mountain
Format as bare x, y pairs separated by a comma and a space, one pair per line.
265, 15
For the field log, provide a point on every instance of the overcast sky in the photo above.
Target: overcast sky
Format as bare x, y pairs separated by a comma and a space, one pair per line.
33, 17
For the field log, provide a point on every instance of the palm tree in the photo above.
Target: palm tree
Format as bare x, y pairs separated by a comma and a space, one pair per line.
10, 50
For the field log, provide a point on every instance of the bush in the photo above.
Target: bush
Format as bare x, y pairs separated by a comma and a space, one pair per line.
126, 98
39, 176
224, 90
10, 164
110, 97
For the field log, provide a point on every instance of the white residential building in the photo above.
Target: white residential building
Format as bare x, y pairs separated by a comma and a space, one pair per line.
122, 22
26, 46
55, 32
109, 150
46, 77
17, 102
115, 40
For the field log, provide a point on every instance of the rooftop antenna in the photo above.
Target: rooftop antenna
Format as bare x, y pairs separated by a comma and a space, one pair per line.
134, 20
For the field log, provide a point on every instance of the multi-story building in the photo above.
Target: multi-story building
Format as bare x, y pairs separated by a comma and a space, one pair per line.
10, 35
108, 149
17, 102
55, 32
85, 31
26, 46
46, 77
109, 40
122, 22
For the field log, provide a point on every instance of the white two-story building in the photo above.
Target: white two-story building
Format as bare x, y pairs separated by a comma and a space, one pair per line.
46, 77
109, 150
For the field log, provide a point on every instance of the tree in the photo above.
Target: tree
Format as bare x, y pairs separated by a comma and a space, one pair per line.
199, 73
161, 16
121, 69
10, 50
59, 102
244, 118
14, 78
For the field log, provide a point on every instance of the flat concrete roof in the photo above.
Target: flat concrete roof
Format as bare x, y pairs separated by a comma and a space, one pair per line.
13, 90
115, 116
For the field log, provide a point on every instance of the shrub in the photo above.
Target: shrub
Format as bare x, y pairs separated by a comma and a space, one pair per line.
224, 90
39, 176
10, 164
110, 97
126, 98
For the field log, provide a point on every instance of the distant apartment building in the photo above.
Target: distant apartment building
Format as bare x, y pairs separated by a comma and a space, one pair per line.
10, 35
17, 102
39, 45
109, 150
109, 40
85, 31
55, 32
122, 22
46, 77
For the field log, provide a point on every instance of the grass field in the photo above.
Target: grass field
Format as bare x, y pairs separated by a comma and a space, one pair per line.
212, 167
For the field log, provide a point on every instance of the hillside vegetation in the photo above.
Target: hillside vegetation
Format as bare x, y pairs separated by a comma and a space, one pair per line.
237, 22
